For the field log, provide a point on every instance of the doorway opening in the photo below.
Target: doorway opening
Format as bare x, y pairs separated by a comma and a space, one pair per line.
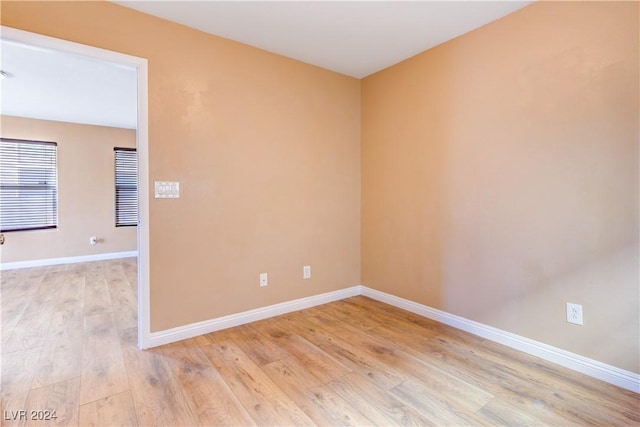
37, 41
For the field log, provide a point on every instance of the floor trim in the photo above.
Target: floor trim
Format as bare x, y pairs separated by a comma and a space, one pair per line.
66, 260
593, 368
200, 328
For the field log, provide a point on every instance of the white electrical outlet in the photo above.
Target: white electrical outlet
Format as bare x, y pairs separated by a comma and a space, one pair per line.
93, 240
306, 272
574, 313
264, 280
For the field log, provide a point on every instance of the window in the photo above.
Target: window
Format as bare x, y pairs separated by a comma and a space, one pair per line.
28, 185
126, 160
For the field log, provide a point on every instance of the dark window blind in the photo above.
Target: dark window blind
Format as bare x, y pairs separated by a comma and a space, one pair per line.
28, 185
126, 161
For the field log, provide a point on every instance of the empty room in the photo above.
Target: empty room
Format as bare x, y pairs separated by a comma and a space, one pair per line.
320, 213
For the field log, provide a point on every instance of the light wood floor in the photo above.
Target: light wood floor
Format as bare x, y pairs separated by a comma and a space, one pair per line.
69, 345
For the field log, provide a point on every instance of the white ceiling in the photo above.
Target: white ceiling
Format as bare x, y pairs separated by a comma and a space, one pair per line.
356, 38
53, 85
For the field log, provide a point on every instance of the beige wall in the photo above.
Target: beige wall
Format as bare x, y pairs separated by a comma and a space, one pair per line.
500, 177
266, 150
86, 205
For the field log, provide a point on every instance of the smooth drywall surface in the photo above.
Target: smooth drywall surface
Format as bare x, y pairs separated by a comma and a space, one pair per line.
86, 192
266, 150
500, 177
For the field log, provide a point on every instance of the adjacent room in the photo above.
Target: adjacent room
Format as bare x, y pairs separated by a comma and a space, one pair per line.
320, 213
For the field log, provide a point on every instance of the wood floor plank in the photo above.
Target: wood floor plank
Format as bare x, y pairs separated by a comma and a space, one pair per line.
389, 314
20, 287
20, 284
47, 293
500, 413
432, 351
569, 387
274, 328
316, 361
497, 379
97, 298
256, 345
123, 299
11, 279
56, 403
30, 331
158, 397
291, 376
11, 313
402, 323
414, 393
62, 350
319, 402
95, 268
17, 370
103, 368
379, 405
113, 411
186, 353
28, 327
130, 269
354, 316
13, 404
326, 403
209, 397
385, 376
516, 383
71, 297
440, 382
320, 363
519, 386
113, 272
206, 339
262, 398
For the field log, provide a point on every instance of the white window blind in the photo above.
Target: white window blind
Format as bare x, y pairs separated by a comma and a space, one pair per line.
28, 185
126, 178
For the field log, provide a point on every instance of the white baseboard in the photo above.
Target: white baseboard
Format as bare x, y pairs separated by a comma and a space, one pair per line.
66, 260
593, 368
200, 328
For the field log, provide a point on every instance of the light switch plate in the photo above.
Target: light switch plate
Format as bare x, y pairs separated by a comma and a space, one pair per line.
167, 189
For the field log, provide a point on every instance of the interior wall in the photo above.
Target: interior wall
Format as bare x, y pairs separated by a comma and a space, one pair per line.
500, 177
86, 194
266, 150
